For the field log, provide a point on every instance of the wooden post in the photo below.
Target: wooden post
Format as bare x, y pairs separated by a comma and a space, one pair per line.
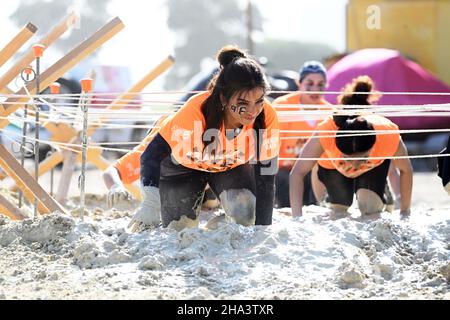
66, 175
50, 162
26, 183
64, 64
26, 60
20, 184
65, 133
10, 210
6, 90
17, 42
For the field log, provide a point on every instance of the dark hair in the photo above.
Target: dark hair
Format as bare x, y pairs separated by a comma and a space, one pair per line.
238, 73
359, 84
354, 144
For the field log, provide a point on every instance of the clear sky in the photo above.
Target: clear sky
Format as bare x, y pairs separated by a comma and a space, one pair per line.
146, 40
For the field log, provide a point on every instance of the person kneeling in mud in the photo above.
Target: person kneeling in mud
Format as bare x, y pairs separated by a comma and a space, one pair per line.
343, 178
211, 140
312, 77
126, 170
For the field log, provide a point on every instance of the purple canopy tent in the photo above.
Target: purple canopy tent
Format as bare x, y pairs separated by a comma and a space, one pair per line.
392, 73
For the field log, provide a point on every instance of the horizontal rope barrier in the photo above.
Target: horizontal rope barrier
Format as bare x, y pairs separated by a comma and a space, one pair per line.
112, 126
382, 111
294, 107
336, 108
68, 145
50, 117
58, 108
195, 92
438, 155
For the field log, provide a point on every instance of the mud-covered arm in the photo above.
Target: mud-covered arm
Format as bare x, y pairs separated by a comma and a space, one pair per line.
151, 158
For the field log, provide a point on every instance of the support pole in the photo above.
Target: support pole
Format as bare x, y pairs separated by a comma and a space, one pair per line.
86, 88
26, 77
38, 50
54, 89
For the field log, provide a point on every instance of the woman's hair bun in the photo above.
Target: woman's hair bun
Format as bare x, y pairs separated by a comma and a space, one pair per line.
228, 53
363, 85
351, 95
341, 120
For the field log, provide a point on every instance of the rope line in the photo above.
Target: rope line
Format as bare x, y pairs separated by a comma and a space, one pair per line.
15, 95
67, 146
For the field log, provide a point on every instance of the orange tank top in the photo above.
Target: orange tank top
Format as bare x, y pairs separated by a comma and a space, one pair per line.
291, 142
184, 133
386, 145
129, 166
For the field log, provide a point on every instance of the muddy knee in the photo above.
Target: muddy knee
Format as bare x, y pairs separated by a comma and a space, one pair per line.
183, 223
338, 208
239, 204
369, 202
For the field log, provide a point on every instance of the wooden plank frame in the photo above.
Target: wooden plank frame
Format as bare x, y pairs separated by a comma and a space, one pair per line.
23, 179
10, 210
17, 42
64, 64
66, 133
27, 183
28, 58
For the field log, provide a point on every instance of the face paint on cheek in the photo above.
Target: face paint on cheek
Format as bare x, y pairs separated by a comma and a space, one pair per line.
242, 110
233, 108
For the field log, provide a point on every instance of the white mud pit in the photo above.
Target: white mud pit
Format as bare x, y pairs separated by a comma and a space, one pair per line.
312, 257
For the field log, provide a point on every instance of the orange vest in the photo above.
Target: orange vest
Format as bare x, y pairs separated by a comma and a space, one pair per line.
291, 146
129, 166
386, 145
184, 134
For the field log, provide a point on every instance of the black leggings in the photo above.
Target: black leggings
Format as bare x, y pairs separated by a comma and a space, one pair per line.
341, 189
282, 189
182, 189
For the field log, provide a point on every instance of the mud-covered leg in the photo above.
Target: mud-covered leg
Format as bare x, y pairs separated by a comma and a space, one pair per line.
235, 189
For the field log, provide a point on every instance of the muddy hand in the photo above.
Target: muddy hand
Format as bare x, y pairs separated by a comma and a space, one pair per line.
149, 212
116, 195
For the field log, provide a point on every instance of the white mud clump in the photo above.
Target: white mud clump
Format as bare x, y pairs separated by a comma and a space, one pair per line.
47, 233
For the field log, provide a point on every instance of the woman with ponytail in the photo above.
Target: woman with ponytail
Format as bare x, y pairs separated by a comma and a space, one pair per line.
226, 137
364, 177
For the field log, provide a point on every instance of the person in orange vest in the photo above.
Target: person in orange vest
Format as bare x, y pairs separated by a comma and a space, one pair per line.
312, 77
366, 84
126, 170
342, 178
227, 137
